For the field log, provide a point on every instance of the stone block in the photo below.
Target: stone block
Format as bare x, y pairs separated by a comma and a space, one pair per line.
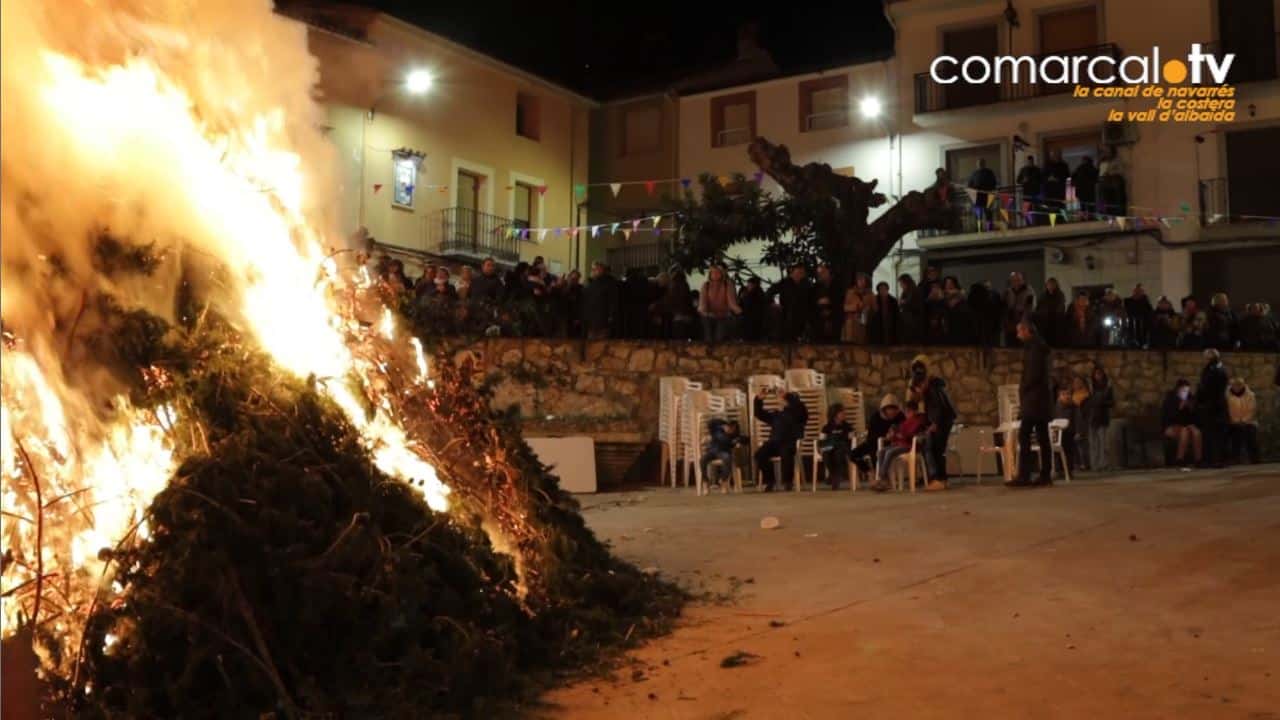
641, 360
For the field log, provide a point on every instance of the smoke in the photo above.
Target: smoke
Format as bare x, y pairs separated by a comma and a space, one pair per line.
168, 121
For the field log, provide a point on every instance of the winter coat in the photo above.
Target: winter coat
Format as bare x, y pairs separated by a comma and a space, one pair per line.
1242, 409
786, 426
1035, 391
1212, 393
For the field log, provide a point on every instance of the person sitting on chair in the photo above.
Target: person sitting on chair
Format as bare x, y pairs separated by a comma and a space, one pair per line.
836, 443
1178, 417
786, 428
898, 442
724, 437
886, 419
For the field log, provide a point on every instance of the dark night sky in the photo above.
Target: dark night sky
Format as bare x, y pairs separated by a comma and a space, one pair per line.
611, 49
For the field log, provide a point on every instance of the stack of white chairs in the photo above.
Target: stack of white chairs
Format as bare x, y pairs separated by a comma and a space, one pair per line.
670, 390
856, 413
811, 386
757, 385
697, 408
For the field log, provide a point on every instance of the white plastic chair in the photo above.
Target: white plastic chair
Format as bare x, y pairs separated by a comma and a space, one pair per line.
1056, 428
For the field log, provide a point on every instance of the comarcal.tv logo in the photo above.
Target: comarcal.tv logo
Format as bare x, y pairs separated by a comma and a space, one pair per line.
1200, 67
1190, 90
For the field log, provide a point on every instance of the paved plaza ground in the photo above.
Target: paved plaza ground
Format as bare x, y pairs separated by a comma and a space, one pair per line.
1137, 595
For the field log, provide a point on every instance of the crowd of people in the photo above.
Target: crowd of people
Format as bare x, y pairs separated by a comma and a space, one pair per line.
1088, 191
528, 300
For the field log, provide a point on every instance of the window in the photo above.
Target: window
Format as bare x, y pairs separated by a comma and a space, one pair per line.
641, 130
961, 162
524, 214
1062, 31
527, 116
1247, 28
733, 119
405, 168
824, 103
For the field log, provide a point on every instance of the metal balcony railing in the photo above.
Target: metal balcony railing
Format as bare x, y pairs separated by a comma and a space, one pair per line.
1253, 63
649, 256
970, 217
932, 96
470, 233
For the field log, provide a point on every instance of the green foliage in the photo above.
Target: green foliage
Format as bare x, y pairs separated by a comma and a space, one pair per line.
719, 217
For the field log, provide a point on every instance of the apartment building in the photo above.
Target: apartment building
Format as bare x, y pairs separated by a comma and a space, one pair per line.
1202, 190
443, 150
1201, 193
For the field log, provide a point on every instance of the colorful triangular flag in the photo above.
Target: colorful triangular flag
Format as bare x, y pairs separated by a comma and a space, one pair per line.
759, 176
580, 189
542, 189
616, 188
657, 219
1053, 219
542, 234
613, 229
1004, 215
376, 188
649, 186
685, 183
635, 224
991, 200
595, 231
626, 235
1120, 220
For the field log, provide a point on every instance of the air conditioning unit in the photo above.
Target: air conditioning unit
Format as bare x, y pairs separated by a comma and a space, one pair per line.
1119, 133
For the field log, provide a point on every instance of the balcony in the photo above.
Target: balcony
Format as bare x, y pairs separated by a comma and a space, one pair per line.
932, 96
467, 233
969, 222
1253, 63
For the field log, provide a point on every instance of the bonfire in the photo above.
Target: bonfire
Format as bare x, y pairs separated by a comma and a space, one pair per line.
233, 485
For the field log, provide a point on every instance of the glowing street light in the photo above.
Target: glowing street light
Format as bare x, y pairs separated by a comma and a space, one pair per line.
418, 82
870, 108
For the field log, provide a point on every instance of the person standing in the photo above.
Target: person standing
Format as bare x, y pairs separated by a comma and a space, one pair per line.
795, 292
600, 303
1019, 301
1085, 180
883, 323
1211, 398
1101, 402
828, 297
1035, 397
931, 393
1051, 312
1029, 181
857, 306
718, 305
1113, 197
1224, 330
910, 310
983, 180
1056, 174
755, 306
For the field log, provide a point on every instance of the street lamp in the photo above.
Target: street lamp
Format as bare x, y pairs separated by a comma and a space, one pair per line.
418, 82
870, 108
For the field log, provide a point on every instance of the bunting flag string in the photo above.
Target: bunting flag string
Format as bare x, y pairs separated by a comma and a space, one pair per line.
615, 187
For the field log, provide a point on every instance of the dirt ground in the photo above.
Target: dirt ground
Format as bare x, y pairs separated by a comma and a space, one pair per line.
1131, 596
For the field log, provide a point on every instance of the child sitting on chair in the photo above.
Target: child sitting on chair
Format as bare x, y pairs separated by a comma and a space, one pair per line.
898, 443
1067, 409
835, 444
724, 438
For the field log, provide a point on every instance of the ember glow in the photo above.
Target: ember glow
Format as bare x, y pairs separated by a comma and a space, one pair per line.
187, 125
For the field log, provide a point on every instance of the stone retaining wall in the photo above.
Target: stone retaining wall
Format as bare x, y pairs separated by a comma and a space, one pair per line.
609, 389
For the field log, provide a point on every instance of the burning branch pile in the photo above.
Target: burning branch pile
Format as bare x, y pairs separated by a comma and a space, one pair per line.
230, 488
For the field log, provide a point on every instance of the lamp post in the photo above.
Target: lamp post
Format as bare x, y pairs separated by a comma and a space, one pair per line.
417, 82
871, 109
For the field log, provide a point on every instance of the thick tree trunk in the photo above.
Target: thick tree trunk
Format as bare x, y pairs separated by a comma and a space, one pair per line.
852, 245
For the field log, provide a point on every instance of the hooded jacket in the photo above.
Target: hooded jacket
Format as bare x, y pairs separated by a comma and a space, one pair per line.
786, 426
1242, 409
879, 426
